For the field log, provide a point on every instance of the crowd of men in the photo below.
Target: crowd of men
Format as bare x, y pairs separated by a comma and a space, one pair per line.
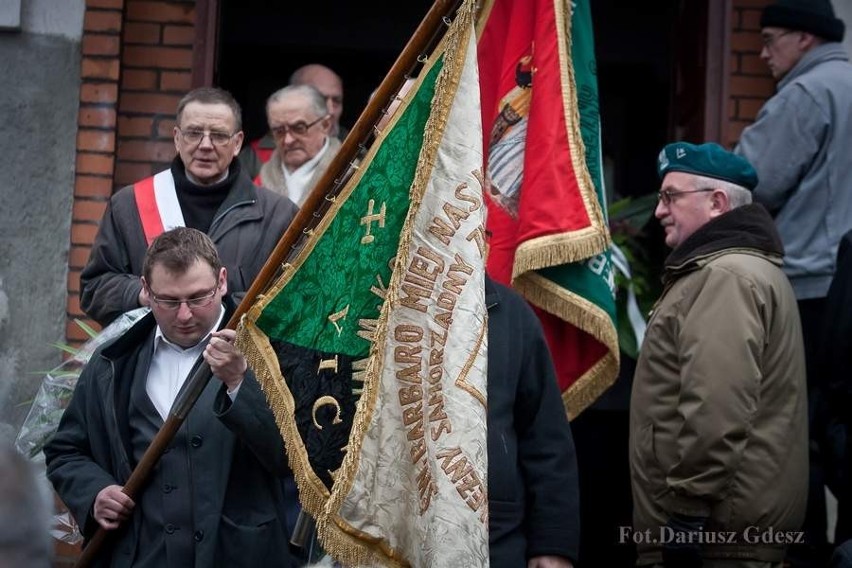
187, 243
740, 389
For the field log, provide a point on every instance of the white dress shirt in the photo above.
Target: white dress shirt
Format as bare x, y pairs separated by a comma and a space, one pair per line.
170, 366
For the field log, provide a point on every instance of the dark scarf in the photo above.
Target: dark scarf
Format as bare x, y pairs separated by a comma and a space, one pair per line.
199, 203
746, 227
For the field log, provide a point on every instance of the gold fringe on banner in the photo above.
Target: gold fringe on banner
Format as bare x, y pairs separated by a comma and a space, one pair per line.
572, 121
587, 316
261, 358
555, 250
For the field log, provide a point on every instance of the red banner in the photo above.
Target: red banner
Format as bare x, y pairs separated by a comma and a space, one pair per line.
549, 235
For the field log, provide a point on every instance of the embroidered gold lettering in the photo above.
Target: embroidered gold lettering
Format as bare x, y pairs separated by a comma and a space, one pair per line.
465, 478
326, 401
405, 354
371, 218
472, 198
328, 364
336, 317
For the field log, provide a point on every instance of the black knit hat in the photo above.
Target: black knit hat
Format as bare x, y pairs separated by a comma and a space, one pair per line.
812, 16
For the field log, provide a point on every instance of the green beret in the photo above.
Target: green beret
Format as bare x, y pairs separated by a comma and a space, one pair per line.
709, 160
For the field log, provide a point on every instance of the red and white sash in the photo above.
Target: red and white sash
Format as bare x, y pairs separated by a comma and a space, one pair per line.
157, 202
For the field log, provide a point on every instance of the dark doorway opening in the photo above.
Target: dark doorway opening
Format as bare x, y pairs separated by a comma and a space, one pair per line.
261, 42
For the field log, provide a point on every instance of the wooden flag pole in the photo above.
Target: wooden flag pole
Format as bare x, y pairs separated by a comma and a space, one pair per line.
425, 37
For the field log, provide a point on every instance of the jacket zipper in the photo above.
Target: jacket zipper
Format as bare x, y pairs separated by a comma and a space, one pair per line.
228, 210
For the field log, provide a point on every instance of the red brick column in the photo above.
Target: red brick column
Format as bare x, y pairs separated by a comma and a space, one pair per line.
136, 64
751, 84
100, 68
156, 73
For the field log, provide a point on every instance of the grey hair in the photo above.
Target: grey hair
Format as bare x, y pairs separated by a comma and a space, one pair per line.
314, 97
211, 96
24, 513
737, 194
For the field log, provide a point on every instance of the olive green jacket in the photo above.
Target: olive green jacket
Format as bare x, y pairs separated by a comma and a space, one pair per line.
718, 418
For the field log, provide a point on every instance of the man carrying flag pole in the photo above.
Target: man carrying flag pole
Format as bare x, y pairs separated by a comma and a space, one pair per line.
546, 212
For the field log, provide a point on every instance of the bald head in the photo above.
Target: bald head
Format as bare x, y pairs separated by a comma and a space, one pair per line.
328, 83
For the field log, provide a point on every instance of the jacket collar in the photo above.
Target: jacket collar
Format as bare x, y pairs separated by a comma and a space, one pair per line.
749, 228
820, 54
272, 172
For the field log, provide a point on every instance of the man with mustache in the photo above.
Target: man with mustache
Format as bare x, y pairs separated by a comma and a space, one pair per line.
718, 413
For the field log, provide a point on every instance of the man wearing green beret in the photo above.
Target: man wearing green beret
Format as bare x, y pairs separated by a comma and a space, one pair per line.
800, 146
718, 415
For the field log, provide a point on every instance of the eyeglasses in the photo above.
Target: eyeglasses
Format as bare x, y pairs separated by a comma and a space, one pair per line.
217, 138
298, 129
769, 39
191, 303
667, 195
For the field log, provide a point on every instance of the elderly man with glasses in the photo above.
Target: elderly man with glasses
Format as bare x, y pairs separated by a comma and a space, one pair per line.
718, 413
799, 145
205, 189
300, 124
215, 497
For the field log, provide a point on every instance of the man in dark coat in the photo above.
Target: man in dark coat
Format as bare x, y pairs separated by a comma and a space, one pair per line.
533, 497
215, 497
204, 189
833, 366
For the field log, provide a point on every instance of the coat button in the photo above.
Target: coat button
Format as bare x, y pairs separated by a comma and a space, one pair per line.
196, 441
198, 536
170, 528
168, 488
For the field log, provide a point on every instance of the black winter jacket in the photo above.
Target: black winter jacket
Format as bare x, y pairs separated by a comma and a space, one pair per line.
533, 494
245, 229
235, 454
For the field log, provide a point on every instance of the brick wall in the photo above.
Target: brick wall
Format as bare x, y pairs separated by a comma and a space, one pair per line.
136, 64
156, 73
100, 69
750, 81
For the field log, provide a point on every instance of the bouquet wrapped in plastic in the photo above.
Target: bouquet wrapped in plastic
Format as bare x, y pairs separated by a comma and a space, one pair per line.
50, 402
58, 385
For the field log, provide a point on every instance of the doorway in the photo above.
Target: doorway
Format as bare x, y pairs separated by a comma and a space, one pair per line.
261, 42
